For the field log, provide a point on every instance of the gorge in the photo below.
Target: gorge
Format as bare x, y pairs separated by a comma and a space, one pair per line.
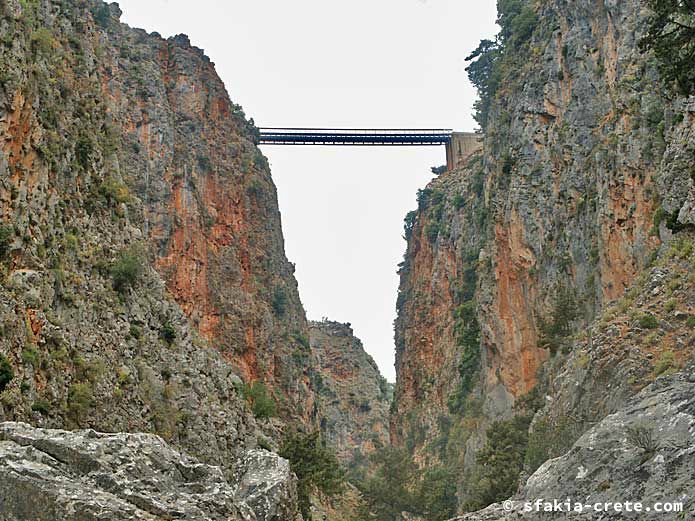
156, 361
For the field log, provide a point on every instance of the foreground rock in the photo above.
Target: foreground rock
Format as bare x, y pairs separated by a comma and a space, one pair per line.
604, 466
60, 475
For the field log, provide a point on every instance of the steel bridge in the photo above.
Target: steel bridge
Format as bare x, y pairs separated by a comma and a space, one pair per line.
355, 136
458, 144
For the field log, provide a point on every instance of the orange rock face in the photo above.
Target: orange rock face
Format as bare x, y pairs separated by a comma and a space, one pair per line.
211, 214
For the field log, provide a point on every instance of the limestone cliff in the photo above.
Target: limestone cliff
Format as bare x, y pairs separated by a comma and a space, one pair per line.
353, 397
141, 256
585, 172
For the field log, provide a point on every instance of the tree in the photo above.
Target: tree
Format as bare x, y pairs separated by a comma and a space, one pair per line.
127, 269
6, 372
671, 36
315, 465
484, 75
499, 462
517, 21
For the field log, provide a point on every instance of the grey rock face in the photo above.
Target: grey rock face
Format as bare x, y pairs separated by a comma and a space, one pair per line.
605, 466
353, 396
86, 475
266, 486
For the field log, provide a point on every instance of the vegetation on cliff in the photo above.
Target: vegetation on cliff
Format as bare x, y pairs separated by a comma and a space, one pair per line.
671, 36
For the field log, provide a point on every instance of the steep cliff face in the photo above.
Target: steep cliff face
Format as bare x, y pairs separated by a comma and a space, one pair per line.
353, 397
121, 151
437, 330
141, 254
585, 169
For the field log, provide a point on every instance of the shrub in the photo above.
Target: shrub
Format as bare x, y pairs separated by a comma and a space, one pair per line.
439, 170
279, 301
6, 234
114, 191
432, 231
42, 41
315, 465
41, 406
549, 439
691, 321
6, 372
665, 362
671, 36
555, 329
262, 403
80, 399
127, 269
642, 437
408, 224
30, 356
84, 148
168, 333
647, 321
467, 331
102, 15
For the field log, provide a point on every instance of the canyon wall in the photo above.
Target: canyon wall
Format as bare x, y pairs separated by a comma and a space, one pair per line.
144, 279
353, 397
584, 173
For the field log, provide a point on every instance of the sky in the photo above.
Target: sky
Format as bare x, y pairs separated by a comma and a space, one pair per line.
355, 64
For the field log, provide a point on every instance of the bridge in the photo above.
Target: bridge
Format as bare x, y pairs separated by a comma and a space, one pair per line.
458, 145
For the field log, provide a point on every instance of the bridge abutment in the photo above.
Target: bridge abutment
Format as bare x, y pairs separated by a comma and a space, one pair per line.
461, 146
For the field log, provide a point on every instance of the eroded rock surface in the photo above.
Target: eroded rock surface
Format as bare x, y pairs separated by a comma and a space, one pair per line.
61, 475
354, 398
604, 465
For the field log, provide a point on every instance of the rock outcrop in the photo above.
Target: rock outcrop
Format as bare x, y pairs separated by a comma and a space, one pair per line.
354, 398
607, 464
61, 475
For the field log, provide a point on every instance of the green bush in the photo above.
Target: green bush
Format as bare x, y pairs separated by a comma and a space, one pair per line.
6, 372
408, 224
315, 466
279, 301
30, 356
555, 329
691, 321
168, 333
396, 485
647, 321
114, 191
260, 400
549, 439
41, 406
102, 15
127, 269
80, 399
671, 36
666, 361
6, 234
432, 231
499, 463
439, 170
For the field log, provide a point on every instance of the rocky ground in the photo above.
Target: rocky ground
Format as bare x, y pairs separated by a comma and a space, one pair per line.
60, 475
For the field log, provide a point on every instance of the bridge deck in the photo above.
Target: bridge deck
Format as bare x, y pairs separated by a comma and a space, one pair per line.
354, 136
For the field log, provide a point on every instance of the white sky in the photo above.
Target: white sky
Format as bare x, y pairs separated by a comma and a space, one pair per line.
360, 64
